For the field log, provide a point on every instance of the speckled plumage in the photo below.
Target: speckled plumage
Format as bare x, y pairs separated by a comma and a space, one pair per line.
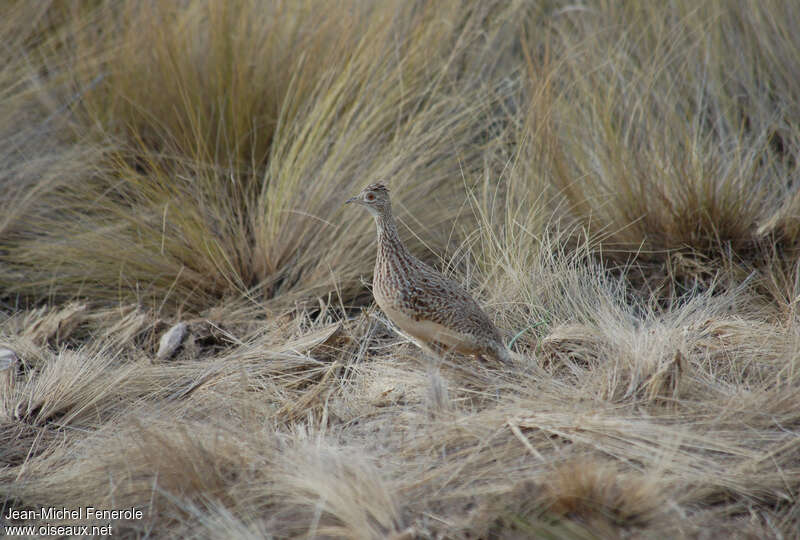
434, 310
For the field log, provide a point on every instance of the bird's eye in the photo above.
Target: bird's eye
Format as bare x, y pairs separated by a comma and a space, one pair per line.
370, 197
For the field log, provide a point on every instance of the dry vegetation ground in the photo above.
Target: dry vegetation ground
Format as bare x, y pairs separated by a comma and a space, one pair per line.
617, 181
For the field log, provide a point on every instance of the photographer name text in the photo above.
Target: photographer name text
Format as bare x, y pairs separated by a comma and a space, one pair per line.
80, 513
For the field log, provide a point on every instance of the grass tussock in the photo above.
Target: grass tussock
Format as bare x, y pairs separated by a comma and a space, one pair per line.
184, 326
222, 171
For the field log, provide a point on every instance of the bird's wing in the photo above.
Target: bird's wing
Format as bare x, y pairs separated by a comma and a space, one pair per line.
441, 300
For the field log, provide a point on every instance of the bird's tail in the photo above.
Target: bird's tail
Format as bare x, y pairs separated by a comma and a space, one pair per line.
510, 358
502, 354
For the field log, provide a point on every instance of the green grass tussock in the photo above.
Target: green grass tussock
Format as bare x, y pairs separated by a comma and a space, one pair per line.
616, 182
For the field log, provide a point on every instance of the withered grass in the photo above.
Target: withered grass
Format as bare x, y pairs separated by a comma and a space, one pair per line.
617, 183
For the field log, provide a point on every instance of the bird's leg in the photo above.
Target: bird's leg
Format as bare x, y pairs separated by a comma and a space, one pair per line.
438, 397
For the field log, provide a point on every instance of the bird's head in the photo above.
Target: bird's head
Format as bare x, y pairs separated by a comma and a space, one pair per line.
374, 197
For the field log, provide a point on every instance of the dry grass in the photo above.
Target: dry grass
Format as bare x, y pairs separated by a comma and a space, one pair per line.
616, 181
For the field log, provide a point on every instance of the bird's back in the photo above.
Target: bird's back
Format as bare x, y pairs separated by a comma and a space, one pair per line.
420, 300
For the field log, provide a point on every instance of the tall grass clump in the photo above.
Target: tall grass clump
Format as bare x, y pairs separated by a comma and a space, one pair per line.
675, 136
230, 134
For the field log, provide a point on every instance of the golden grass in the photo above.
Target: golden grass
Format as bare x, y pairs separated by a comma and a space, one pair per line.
220, 173
615, 181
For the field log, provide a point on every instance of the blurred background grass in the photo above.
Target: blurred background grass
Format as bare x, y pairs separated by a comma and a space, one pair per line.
224, 138
177, 154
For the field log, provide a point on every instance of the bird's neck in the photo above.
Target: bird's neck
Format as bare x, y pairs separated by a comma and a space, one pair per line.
388, 238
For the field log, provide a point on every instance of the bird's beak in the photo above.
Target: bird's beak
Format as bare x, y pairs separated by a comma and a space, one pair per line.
351, 199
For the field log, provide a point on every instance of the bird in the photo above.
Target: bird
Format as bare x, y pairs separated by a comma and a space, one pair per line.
435, 312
